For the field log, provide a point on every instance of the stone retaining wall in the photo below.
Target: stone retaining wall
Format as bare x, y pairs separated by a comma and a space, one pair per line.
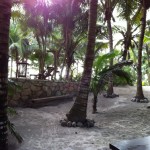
39, 88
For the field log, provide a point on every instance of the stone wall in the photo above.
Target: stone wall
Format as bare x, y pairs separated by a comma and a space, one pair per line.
30, 89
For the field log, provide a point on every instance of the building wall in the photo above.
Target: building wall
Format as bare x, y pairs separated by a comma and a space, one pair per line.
30, 89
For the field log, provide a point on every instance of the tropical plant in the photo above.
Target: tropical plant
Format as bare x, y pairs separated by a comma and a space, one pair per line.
79, 108
121, 81
109, 6
19, 46
130, 12
73, 21
101, 77
139, 92
11, 128
40, 23
99, 64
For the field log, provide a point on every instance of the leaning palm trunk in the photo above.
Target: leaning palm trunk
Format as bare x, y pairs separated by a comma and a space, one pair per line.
5, 11
139, 93
78, 111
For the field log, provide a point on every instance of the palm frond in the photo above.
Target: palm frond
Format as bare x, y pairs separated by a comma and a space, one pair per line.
100, 80
11, 111
101, 60
13, 132
124, 75
127, 8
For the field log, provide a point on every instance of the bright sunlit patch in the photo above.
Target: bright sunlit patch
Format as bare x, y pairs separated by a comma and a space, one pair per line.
44, 2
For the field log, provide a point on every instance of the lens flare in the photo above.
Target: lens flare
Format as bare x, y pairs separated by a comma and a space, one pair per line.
44, 2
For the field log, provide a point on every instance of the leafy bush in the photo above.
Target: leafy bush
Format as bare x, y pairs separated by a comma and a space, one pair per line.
126, 77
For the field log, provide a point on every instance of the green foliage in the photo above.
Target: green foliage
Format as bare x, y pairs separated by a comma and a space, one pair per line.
11, 128
77, 77
12, 87
119, 81
102, 71
36, 55
127, 8
100, 65
18, 42
102, 61
123, 77
11, 111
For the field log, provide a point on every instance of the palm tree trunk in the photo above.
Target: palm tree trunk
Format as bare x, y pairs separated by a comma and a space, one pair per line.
139, 92
78, 111
148, 59
68, 66
95, 103
110, 90
41, 67
127, 41
109, 27
67, 30
5, 11
11, 69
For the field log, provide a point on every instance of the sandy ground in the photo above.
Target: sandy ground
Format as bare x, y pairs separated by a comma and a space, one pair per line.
117, 119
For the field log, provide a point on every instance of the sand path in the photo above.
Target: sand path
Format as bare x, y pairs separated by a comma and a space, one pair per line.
117, 119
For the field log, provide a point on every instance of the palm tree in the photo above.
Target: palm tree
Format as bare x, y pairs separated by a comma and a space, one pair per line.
102, 73
109, 7
39, 21
68, 14
19, 48
79, 109
139, 92
130, 12
5, 11
100, 63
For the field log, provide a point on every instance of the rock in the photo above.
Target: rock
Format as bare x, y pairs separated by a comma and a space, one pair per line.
69, 124
111, 96
89, 123
33, 87
79, 124
58, 93
140, 100
148, 107
74, 124
63, 123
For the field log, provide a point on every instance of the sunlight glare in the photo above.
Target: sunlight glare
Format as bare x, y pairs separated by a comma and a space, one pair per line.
44, 2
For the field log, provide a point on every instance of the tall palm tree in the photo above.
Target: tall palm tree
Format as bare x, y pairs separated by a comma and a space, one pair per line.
139, 92
79, 109
68, 13
130, 12
5, 11
39, 21
109, 7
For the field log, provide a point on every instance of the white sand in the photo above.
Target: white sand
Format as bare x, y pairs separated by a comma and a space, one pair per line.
117, 119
